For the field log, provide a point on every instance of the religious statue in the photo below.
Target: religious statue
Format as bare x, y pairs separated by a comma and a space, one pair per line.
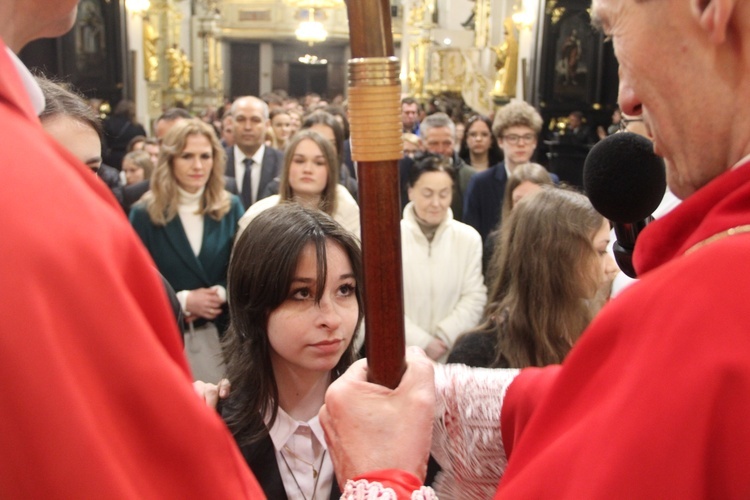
506, 63
150, 58
186, 67
179, 68
570, 54
175, 66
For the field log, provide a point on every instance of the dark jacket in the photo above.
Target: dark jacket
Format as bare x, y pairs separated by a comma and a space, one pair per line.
261, 458
273, 161
484, 199
118, 131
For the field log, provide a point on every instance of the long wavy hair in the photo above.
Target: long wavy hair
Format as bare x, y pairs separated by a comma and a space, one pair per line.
261, 270
546, 268
328, 199
494, 153
162, 201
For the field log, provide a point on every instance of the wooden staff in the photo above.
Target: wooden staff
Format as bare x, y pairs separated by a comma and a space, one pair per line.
374, 116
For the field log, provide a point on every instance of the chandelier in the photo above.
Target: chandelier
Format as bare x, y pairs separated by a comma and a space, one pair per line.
137, 6
315, 4
311, 31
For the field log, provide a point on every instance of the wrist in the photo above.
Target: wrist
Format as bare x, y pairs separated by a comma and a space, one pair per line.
390, 484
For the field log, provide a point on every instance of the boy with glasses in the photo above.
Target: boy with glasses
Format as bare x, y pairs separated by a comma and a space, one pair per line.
517, 127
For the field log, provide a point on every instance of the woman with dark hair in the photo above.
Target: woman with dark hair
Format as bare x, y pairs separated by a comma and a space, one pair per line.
309, 177
479, 147
552, 270
119, 130
187, 221
444, 291
295, 303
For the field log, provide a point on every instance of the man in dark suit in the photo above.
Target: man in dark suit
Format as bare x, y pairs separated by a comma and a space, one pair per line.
250, 161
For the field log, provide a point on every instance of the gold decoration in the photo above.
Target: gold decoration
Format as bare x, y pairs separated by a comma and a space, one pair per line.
506, 64
179, 68
481, 23
150, 57
374, 109
557, 14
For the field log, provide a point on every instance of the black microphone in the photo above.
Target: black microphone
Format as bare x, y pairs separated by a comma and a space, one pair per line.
625, 182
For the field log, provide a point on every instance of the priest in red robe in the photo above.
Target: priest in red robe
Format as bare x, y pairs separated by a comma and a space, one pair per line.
97, 399
654, 400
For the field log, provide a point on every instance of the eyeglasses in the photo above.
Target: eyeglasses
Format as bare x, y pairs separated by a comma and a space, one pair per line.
514, 138
624, 122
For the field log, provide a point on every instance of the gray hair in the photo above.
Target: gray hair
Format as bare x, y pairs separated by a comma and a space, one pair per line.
437, 120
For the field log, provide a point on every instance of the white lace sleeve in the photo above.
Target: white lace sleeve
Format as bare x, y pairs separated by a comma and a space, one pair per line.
366, 490
466, 439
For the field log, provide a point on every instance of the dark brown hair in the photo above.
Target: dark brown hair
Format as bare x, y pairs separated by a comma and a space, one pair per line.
261, 271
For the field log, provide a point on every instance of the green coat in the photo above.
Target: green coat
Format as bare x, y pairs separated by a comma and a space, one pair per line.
171, 251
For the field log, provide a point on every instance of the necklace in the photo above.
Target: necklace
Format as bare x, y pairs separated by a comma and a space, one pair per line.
297, 457
718, 236
316, 473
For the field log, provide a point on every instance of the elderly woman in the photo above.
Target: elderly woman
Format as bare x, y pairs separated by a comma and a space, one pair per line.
444, 292
188, 222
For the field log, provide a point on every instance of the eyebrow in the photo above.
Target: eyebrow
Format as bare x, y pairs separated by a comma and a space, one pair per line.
94, 159
306, 281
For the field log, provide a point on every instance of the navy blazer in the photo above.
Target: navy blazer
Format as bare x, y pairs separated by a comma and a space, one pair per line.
261, 458
273, 161
484, 199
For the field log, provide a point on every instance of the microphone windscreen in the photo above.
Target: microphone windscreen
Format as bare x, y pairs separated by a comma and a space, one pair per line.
623, 178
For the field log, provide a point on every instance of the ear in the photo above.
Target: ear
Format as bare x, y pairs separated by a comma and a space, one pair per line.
713, 16
410, 192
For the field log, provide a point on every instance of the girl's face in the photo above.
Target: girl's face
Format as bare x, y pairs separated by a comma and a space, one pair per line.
605, 268
432, 195
282, 127
192, 167
133, 173
308, 172
306, 337
478, 138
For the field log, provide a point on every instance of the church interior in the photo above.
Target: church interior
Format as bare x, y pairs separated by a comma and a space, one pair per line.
459, 56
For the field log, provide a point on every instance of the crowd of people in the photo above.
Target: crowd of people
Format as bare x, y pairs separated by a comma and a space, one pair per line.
257, 250
210, 204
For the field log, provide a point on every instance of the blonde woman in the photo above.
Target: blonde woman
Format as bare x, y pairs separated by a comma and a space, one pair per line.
188, 222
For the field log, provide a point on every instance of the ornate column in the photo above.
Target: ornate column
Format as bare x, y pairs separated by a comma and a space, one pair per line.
208, 74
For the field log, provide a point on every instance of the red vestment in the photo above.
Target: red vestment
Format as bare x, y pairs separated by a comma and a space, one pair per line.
654, 399
97, 399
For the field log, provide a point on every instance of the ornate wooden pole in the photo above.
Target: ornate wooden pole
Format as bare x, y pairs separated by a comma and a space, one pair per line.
374, 116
